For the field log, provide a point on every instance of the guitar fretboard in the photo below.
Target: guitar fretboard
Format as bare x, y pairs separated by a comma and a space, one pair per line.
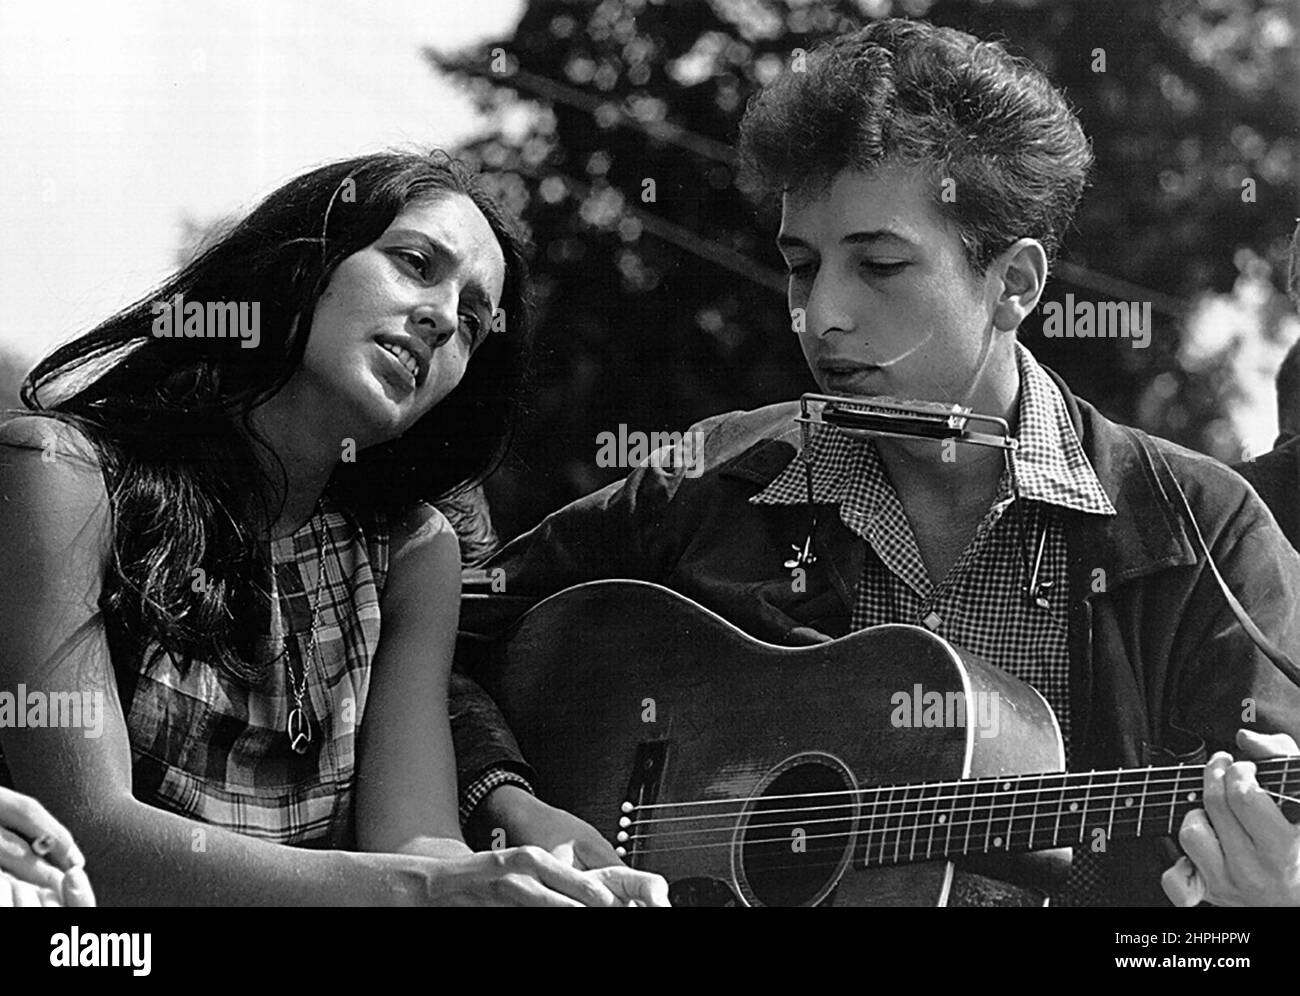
920, 822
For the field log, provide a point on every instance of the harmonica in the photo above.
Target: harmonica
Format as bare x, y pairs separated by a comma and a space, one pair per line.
885, 416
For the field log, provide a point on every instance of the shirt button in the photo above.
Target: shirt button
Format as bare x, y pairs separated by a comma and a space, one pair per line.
933, 621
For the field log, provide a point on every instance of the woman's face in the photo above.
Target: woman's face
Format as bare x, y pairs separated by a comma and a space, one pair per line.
394, 330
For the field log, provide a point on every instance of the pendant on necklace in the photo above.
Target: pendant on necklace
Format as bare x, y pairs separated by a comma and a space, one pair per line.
299, 730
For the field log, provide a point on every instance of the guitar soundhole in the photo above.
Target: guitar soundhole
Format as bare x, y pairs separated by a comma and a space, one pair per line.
796, 838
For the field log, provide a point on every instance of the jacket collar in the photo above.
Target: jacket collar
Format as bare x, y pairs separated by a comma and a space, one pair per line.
1146, 535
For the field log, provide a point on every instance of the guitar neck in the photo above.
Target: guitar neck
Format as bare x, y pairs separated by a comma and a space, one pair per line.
921, 822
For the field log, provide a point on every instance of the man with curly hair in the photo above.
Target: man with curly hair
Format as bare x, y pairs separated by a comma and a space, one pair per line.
926, 179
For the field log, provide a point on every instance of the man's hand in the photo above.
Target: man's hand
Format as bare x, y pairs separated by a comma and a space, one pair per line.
527, 820
1239, 850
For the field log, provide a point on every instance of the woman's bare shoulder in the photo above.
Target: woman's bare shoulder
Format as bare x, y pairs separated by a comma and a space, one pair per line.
425, 554
421, 522
53, 437
50, 477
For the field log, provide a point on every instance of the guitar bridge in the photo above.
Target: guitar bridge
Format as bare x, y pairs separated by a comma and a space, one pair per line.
642, 790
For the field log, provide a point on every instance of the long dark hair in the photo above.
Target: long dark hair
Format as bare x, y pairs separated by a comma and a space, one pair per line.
170, 417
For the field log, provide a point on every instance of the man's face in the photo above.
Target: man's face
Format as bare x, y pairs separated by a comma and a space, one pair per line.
891, 306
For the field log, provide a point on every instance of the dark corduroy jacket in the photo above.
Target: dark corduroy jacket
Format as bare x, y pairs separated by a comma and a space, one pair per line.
1158, 664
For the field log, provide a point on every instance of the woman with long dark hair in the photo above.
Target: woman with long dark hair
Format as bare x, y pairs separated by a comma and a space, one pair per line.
218, 526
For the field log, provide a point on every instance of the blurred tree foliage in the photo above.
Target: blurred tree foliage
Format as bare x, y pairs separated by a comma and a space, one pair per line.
656, 312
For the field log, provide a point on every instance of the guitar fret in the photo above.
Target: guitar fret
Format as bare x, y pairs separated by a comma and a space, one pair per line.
988, 826
970, 819
1010, 810
933, 821
898, 829
1011, 815
1060, 806
916, 822
1114, 804
952, 815
871, 825
1087, 798
1121, 804
873, 822
1173, 802
1146, 782
1023, 811
1033, 818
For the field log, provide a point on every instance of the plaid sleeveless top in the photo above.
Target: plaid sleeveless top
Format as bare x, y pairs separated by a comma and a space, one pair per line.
212, 749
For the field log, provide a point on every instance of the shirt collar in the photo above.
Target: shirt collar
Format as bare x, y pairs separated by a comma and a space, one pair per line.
1050, 464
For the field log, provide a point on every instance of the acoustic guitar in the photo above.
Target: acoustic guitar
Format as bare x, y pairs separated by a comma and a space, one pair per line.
852, 772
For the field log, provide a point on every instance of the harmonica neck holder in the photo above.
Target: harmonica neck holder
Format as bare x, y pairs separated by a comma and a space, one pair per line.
932, 420
904, 419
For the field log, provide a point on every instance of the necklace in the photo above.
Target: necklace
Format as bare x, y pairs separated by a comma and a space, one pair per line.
298, 727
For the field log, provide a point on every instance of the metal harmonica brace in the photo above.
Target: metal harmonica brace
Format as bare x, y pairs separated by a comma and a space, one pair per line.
884, 416
905, 419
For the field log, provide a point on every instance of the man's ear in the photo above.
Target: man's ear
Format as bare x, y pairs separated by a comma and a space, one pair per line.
1020, 272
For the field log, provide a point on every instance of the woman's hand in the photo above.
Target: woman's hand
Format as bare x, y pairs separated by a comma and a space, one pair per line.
530, 876
525, 819
40, 863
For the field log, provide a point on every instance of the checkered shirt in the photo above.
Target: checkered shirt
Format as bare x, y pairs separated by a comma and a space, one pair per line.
213, 750
981, 605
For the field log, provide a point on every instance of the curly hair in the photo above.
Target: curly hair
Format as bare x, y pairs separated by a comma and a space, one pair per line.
908, 92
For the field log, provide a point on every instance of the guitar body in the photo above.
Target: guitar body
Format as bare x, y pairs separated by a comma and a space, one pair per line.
626, 692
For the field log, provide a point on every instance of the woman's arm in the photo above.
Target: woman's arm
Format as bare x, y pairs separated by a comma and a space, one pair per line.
406, 782
406, 785
54, 544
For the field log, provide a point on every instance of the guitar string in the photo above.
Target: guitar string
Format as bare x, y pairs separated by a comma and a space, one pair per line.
1179, 772
875, 855
1122, 818
875, 851
824, 852
1082, 781
896, 832
914, 796
974, 821
1156, 812
915, 802
1125, 817
826, 856
878, 847
879, 858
